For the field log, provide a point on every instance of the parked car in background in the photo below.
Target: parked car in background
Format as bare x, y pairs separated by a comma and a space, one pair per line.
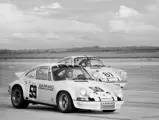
98, 69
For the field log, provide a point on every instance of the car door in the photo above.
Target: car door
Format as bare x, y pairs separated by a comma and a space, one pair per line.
30, 85
45, 85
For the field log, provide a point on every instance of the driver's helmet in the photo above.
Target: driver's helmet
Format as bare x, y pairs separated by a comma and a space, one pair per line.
88, 63
69, 74
85, 63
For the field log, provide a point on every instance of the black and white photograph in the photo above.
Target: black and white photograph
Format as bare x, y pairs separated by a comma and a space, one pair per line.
79, 60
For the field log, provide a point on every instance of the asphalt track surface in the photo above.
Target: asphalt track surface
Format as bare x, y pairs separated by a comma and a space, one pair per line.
141, 97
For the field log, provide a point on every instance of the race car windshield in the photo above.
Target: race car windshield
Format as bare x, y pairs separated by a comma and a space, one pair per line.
89, 62
70, 73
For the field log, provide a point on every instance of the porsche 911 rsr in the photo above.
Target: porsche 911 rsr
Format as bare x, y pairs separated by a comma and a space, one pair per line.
64, 86
98, 70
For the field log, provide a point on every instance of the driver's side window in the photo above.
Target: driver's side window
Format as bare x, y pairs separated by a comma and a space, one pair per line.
43, 73
77, 73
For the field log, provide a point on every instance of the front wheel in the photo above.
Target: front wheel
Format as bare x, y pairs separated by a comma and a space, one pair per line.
64, 102
108, 110
17, 98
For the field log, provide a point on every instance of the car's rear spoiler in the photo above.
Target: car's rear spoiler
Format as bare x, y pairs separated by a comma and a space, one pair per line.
19, 74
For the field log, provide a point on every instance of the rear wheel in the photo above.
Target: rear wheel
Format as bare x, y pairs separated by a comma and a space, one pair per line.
17, 98
108, 111
64, 102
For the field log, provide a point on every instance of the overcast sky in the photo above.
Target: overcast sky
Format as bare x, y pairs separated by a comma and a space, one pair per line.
75, 23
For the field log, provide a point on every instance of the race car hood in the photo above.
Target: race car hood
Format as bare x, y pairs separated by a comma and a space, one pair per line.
86, 84
104, 72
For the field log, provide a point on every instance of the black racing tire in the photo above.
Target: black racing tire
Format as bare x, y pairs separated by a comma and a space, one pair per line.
108, 111
17, 98
64, 102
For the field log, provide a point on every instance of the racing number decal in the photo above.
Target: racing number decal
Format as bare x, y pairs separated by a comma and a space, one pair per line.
33, 91
108, 74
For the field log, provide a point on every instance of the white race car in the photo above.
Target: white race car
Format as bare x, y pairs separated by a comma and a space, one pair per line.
64, 86
98, 70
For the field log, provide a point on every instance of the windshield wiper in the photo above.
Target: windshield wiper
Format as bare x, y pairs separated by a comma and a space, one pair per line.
79, 78
90, 79
96, 66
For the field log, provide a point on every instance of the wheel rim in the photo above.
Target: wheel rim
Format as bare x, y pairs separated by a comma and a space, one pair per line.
63, 102
16, 97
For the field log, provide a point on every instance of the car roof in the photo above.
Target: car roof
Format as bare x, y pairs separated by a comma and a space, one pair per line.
55, 64
78, 56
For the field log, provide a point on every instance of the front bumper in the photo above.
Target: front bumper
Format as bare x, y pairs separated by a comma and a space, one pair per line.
93, 105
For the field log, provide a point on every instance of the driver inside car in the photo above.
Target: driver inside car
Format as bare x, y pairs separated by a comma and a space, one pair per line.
85, 63
68, 74
88, 64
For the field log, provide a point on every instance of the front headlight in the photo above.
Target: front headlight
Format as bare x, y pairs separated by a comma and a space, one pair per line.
84, 95
83, 92
123, 74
